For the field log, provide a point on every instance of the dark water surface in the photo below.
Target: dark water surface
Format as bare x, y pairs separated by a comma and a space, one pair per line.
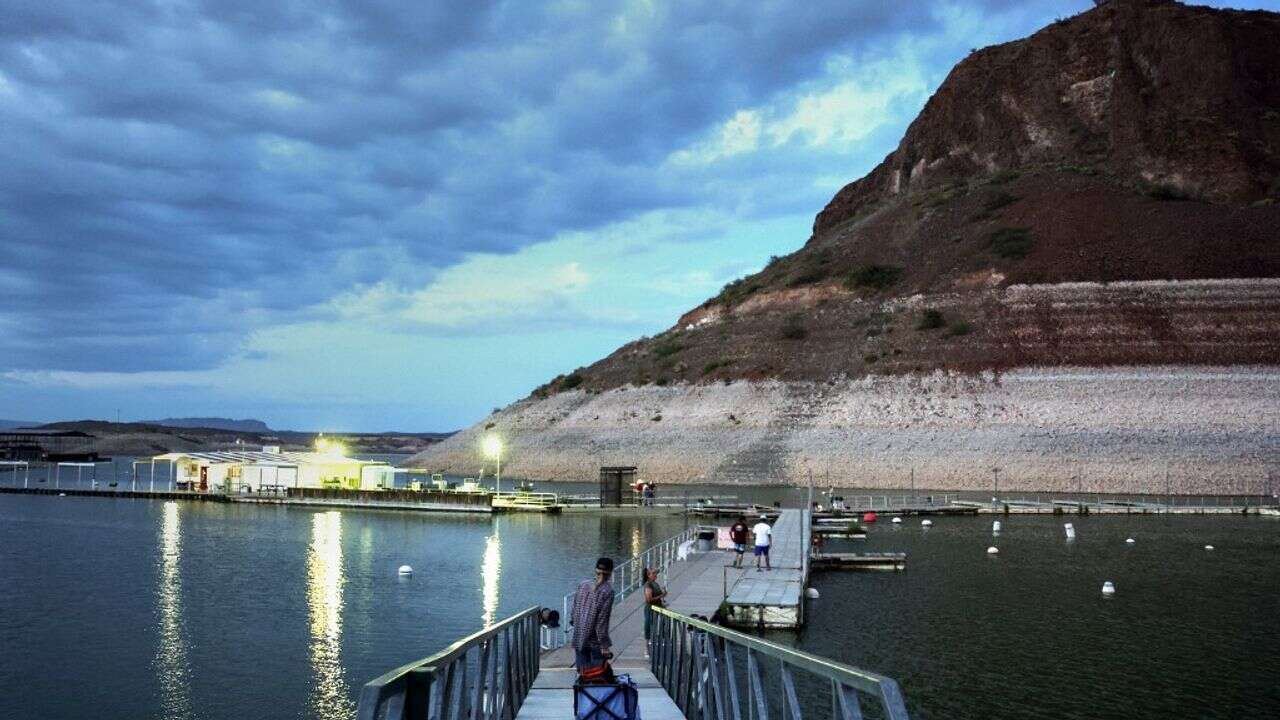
147, 609
1190, 633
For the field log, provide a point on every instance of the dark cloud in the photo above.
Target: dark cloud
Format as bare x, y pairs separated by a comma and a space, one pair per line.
175, 175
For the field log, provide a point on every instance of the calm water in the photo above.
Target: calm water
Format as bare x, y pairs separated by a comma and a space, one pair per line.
1028, 634
137, 609
146, 609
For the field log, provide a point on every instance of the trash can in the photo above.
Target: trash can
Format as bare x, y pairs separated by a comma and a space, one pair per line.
706, 540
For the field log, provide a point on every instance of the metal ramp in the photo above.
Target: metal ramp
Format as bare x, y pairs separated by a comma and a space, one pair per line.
694, 670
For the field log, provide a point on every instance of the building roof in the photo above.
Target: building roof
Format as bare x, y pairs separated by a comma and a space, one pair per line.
284, 459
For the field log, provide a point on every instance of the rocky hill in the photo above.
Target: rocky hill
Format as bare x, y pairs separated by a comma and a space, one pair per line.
213, 423
1068, 268
144, 438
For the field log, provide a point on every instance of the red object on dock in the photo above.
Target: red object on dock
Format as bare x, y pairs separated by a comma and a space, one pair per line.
868, 517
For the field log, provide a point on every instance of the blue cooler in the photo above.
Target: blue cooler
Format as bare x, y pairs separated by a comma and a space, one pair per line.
607, 701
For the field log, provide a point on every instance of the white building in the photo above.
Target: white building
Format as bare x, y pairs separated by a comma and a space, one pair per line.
239, 471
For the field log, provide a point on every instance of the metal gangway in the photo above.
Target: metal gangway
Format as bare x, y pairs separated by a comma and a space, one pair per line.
697, 671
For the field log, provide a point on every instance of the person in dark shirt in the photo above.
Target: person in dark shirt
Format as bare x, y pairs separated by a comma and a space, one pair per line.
654, 596
592, 611
738, 534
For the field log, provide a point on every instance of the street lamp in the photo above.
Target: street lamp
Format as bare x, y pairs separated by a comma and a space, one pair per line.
492, 447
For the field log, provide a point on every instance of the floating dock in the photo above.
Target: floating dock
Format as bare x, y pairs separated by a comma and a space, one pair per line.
772, 598
859, 561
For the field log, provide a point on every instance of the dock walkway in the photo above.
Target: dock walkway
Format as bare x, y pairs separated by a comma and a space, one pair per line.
694, 587
773, 598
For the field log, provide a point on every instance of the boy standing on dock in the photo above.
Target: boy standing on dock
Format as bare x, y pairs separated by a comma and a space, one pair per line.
738, 535
764, 538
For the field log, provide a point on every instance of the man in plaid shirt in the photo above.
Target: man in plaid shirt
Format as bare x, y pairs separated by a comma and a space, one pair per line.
592, 609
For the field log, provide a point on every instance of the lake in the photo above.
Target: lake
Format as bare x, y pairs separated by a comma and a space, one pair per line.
148, 609
136, 609
1028, 633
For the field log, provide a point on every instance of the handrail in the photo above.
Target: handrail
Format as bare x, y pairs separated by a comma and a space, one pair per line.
626, 579
452, 685
694, 662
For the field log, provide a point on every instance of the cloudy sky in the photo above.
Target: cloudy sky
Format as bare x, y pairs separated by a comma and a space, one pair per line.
367, 214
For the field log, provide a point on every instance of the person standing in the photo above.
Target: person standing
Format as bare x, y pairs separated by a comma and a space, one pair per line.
592, 611
764, 538
738, 536
654, 596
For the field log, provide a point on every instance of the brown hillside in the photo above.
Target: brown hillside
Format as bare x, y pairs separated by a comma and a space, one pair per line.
1101, 193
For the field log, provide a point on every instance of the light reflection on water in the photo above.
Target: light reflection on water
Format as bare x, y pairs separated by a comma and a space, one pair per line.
490, 571
207, 611
171, 664
330, 696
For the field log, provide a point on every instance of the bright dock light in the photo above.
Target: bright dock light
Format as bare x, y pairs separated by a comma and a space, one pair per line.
492, 446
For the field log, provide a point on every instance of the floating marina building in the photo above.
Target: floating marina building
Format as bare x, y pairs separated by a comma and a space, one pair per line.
234, 471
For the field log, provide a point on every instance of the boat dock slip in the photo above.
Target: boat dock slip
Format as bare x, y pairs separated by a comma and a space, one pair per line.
772, 598
860, 561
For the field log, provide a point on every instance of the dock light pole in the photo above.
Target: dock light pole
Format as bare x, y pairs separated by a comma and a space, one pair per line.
493, 449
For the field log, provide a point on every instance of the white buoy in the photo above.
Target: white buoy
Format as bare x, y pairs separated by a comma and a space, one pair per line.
1071, 531
993, 550
897, 521
811, 593
1108, 588
1208, 547
64, 495
406, 570
926, 523
1129, 541
995, 527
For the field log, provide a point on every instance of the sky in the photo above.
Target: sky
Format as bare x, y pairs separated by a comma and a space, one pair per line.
375, 215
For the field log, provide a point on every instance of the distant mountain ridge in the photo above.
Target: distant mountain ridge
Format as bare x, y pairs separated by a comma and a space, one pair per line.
10, 424
214, 423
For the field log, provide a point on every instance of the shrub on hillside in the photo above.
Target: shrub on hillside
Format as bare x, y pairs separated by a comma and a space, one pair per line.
873, 277
931, 319
1001, 177
667, 348
793, 328
1010, 242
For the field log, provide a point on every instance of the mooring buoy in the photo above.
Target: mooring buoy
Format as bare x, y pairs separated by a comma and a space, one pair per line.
405, 570
1108, 588
993, 550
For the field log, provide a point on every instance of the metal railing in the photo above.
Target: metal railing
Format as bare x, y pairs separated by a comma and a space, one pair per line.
858, 503
525, 499
485, 676
627, 578
712, 673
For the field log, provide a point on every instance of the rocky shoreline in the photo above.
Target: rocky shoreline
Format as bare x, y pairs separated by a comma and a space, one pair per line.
1214, 429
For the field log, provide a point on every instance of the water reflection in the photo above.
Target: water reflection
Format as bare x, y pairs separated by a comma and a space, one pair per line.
490, 569
171, 657
329, 696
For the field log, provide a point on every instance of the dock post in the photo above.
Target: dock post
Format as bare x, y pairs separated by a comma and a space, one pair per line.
152, 486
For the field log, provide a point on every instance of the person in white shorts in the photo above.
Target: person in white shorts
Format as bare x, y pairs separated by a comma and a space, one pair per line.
764, 538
